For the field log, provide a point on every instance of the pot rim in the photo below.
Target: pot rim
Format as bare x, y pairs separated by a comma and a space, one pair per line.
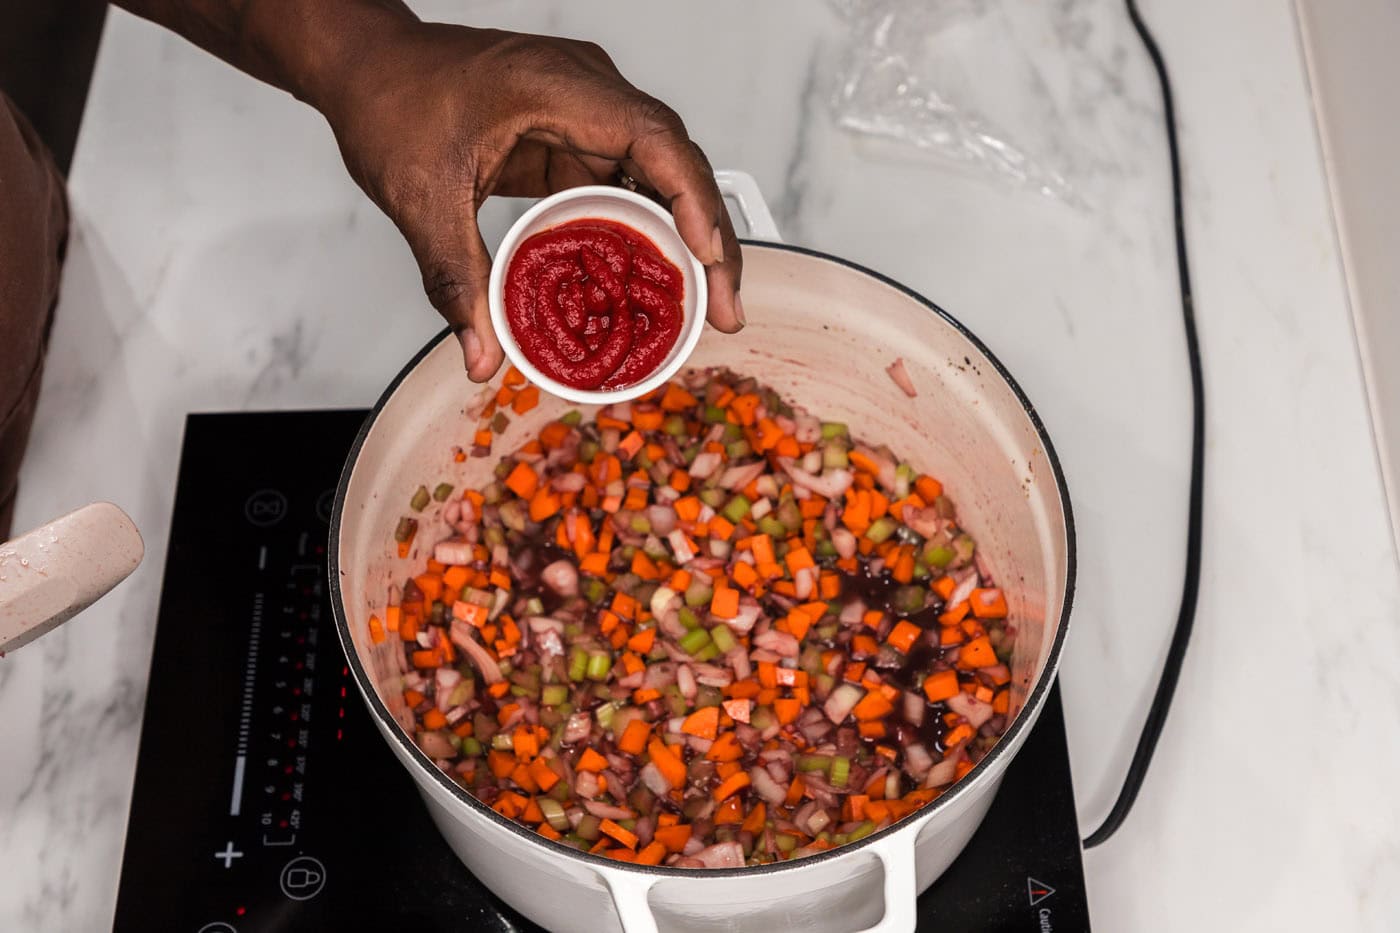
960, 788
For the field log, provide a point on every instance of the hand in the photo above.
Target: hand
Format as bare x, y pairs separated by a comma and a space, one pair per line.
441, 117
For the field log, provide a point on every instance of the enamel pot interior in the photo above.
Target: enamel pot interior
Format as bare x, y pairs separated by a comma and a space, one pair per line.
821, 332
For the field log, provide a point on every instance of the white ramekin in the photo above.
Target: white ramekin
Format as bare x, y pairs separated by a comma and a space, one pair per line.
620, 206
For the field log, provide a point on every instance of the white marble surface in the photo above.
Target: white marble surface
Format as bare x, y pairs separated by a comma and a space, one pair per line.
223, 260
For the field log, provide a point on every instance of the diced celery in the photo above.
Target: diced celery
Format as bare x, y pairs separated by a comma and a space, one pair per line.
553, 811
503, 741
770, 525
707, 653
688, 618
738, 450
833, 429
735, 509
723, 638
694, 640
420, 499
713, 414
881, 529
599, 663
578, 664
698, 593
840, 771
470, 746
572, 418
834, 457
441, 491
554, 694
674, 425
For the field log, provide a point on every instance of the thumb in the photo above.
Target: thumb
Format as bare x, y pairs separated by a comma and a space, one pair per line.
456, 268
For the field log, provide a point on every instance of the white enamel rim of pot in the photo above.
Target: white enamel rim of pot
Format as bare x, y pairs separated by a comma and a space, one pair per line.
624, 207
630, 884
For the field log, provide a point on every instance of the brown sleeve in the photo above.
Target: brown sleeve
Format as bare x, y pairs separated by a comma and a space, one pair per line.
33, 234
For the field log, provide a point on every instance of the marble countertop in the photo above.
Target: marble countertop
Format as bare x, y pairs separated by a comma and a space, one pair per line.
223, 260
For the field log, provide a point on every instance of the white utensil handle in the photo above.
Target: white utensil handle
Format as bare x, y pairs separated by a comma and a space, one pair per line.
57, 570
740, 188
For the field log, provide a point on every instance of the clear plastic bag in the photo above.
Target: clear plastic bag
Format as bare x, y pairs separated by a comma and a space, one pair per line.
927, 72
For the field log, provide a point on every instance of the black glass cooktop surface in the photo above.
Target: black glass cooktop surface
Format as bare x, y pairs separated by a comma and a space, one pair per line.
265, 801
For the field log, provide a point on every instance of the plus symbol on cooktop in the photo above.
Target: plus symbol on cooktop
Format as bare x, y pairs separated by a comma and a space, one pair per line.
228, 855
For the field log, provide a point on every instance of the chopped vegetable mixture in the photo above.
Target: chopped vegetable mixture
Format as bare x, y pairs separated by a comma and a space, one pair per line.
704, 629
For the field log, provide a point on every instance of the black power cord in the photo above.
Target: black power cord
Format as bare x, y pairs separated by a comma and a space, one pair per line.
1171, 669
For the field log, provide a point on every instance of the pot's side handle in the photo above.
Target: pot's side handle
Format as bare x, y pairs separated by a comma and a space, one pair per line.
629, 893
740, 188
901, 892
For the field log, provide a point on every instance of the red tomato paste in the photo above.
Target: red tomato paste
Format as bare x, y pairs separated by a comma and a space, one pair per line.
593, 304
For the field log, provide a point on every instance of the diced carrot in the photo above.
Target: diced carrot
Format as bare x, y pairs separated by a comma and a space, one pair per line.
526, 399
977, 653
787, 710
590, 761
872, 706
704, 722
514, 377
941, 685
482, 438
624, 605
642, 641
959, 734
988, 603
544, 504
552, 435
652, 853
756, 819
796, 789
944, 587
543, 774
376, 630
730, 811
871, 729
634, 738
744, 574
745, 408
525, 744
523, 480
953, 615
725, 602
549, 832
1001, 703
595, 564
645, 695
928, 488
624, 836
630, 444
903, 635
647, 418
725, 747
731, 785
673, 837
667, 762
427, 657
392, 616
433, 720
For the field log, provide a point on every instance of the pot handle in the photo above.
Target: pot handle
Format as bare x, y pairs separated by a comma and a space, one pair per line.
901, 891
629, 893
57, 570
740, 188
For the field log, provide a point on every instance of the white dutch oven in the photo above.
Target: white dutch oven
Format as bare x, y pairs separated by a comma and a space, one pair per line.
821, 331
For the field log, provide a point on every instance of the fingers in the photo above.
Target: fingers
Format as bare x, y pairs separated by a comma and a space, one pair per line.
665, 158
456, 270
726, 311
